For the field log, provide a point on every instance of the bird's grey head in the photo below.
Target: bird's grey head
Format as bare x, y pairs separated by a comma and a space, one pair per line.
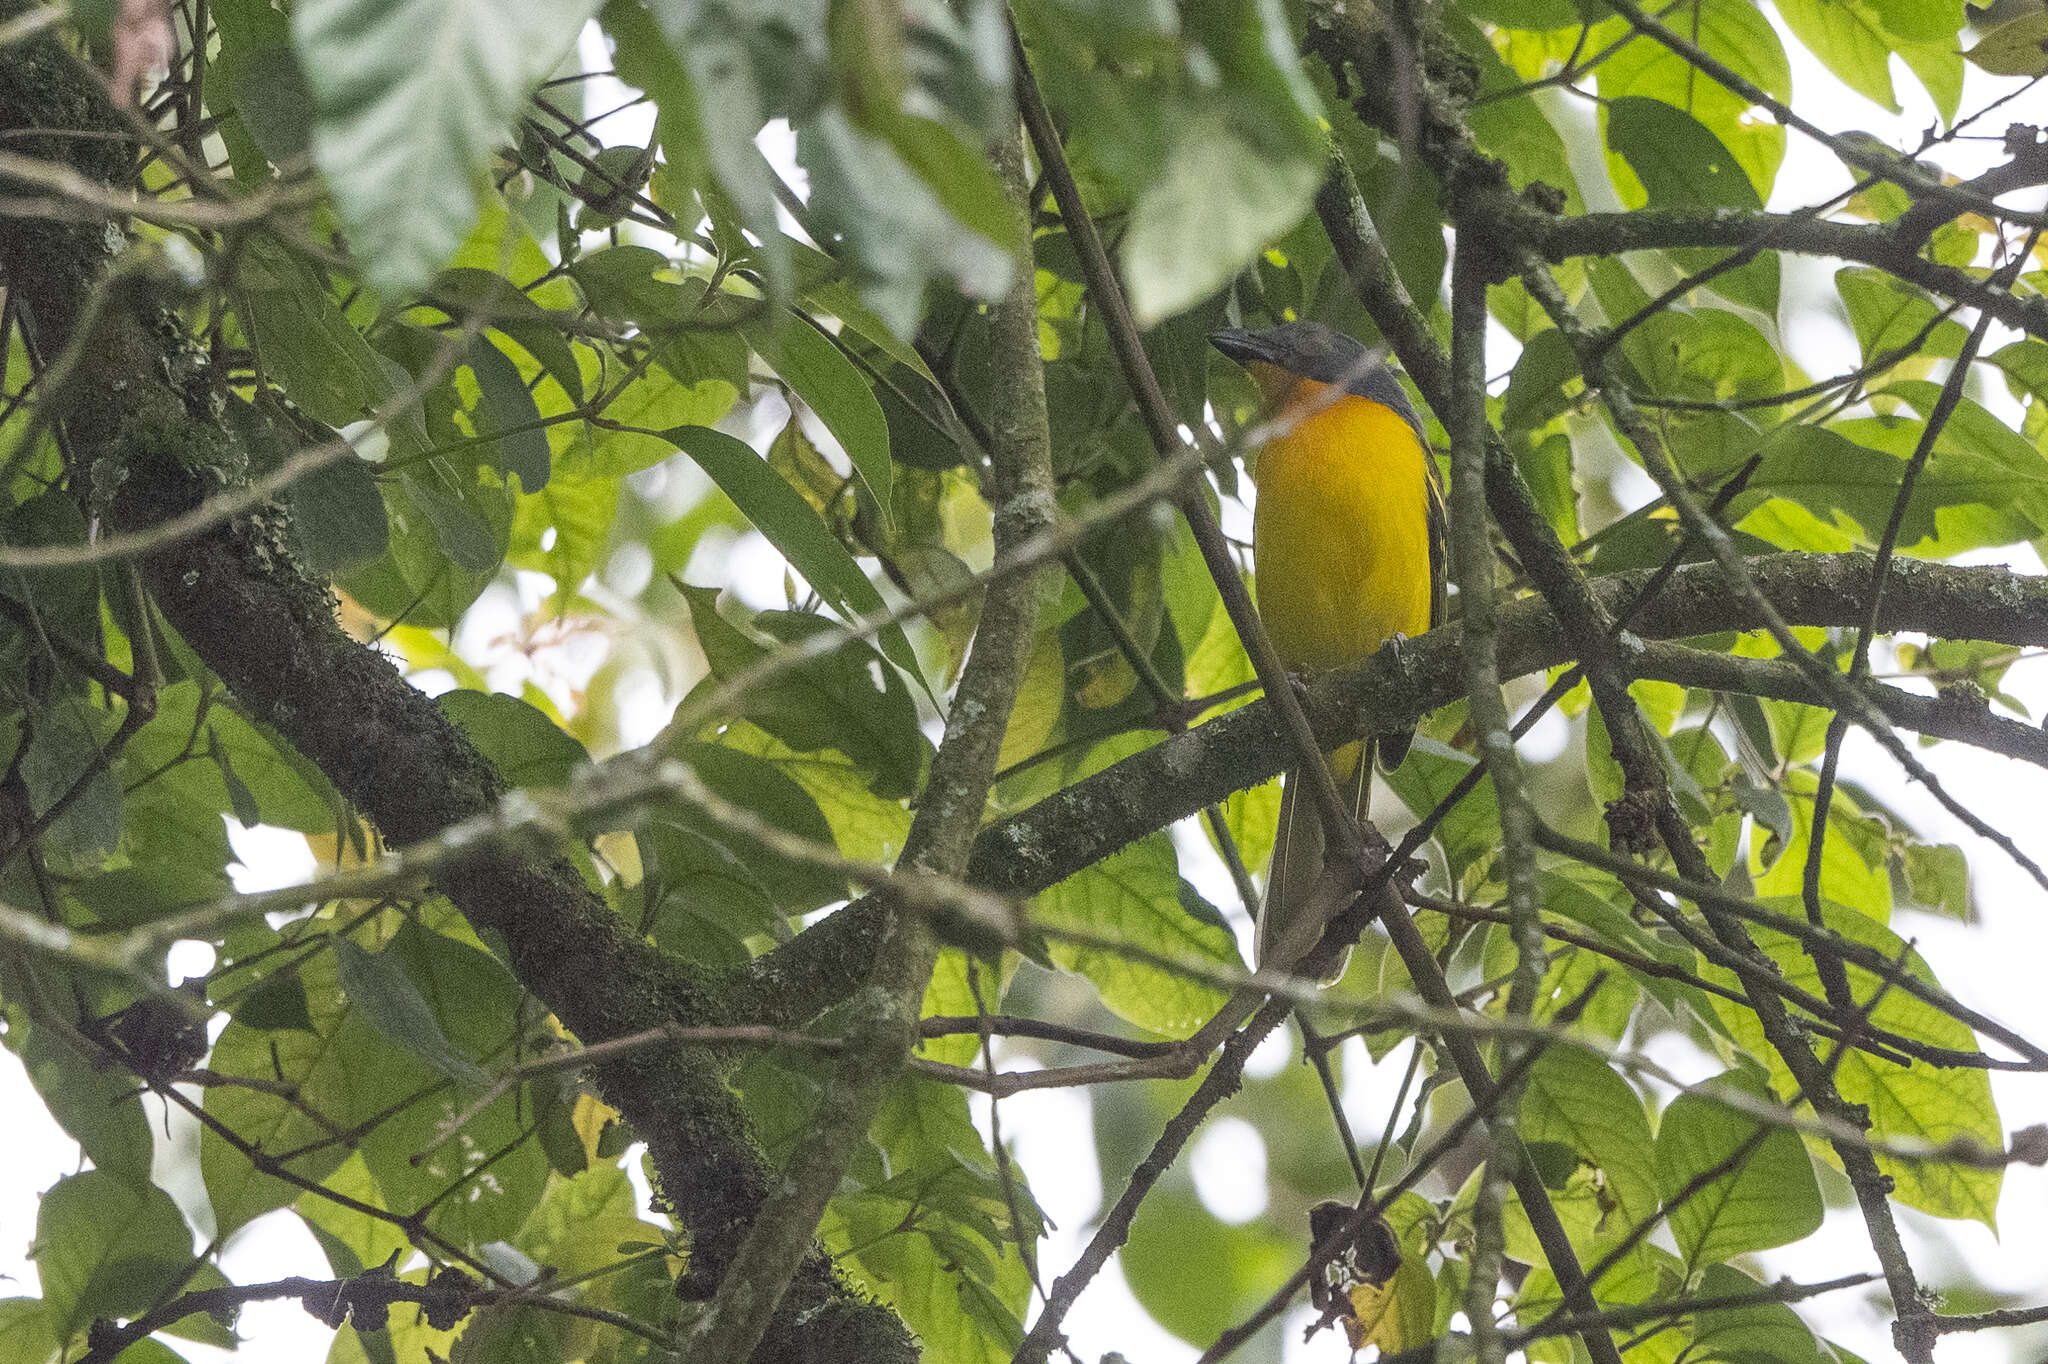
1317, 351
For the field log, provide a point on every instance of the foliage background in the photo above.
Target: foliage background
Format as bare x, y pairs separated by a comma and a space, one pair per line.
1195, 169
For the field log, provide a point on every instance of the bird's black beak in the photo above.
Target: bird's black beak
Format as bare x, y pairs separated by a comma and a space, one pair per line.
1241, 345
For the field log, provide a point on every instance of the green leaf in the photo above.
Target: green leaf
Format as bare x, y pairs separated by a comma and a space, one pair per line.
27, 1334
1939, 65
1740, 35
1848, 877
1197, 1274
957, 172
506, 406
845, 700
1683, 165
1679, 161
1216, 203
462, 291
2016, 48
1470, 833
419, 92
780, 513
580, 511
864, 825
1938, 877
1768, 1198
381, 990
524, 745
1576, 1099
1133, 897
1835, 477
1846, 36
705, 874
1917, 1101
97, 1105
812, 364
66, 600
1708, 354
333, 1070
511, 1335
895, 230
64, 742
337, 513
928, 1225
1768, 1331
287, 793
1920, 20
1888, 314
705, 68
458, 516
279, 1002
1536, 389
301, 337
106, 1247
463, 1004
255, 39
1516, 132
351, 1237
2025, 363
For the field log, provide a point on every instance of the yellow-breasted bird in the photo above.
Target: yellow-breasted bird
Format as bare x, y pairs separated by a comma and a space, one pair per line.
1348, 549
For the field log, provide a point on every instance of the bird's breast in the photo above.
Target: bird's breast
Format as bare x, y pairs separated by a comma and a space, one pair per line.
1341, 534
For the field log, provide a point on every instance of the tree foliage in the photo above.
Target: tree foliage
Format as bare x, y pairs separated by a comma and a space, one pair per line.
383, 428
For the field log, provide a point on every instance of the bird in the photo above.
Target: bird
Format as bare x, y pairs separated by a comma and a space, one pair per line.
1347, 553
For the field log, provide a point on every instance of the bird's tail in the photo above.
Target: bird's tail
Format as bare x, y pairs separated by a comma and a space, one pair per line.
1284, 934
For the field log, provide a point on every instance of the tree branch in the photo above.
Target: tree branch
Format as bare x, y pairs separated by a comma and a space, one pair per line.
884, 1025
251, 613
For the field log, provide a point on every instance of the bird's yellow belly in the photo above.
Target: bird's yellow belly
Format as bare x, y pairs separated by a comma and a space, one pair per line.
1341, 535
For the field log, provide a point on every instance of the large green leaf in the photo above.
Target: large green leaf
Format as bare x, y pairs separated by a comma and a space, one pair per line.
714, 885
1216, 203
1683, 165
286, 792
792, 525
1851, 875
337, 1070
2018, 47
526, 746
1889, 314
302, 338
61, 764
1133, 897
895, 227
506, 410
1767, 1331
1197, 1274
1470, 833
484, 1178
28, 1335
412, 93
65, 600
1768, 1198
1575, 1099
1917, 1101
846, 700
1848, 39
378, 986
813, 365
1739, 35
106, 1247
97, 1105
